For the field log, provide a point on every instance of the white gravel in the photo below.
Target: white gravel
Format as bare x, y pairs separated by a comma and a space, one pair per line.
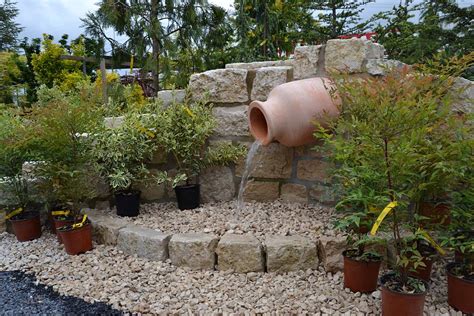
257, 219
142, 286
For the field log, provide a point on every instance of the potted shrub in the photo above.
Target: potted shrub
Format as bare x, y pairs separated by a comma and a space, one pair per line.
120, 154
363, 256
384, 124
183, 131
16, 142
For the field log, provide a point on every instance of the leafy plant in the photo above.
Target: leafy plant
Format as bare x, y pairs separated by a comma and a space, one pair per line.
183, 130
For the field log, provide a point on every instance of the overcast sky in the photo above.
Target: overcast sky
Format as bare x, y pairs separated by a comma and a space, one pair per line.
57, 17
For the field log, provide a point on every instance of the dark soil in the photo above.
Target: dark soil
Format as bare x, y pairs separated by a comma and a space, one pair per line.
19, 295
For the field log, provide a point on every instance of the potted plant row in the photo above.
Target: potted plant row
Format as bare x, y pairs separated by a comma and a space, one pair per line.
397, 142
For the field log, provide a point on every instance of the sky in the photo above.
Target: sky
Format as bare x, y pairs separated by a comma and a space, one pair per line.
57, 17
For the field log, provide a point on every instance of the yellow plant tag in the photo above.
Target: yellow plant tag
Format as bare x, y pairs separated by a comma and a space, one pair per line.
431, 241
62, 212
381, 217
13, 213
189, 112
79, 225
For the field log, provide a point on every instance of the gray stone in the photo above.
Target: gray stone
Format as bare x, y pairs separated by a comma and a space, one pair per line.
305, 61
169, 97
268, 78
241, 253
102, 189
295, 193
260, 191
378, 67
114, 122
105, 229
220, 86
102, 205
217, 184
323, 194
290, 253
231, 121
152, 191
193, 250
330, 250
6, 195
3, 222
272, 161
143, 242
313, 170
350, 55
256, 65
465, 91
159, 157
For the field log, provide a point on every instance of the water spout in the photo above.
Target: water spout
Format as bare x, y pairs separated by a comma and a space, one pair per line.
249, 167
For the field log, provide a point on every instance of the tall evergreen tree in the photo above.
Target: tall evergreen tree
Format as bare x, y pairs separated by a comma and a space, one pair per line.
9, 29
340, 17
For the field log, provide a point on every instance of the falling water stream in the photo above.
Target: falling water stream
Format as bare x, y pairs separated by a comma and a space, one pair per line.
249, 167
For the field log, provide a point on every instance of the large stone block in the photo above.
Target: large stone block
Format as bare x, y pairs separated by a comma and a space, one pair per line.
256, 65
105, 229
241, 253
169, 97
290, 253
378, 67
193, 250
114, 122
350, 55
305, 61
330, 250
268, 78
217, 184
261, 191
151, 191
221, 85
322, 194
464, 89
231, 121
295, 193
313, 170
272, 161
143, 242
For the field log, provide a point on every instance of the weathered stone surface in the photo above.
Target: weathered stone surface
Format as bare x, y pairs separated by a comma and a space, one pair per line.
465, 104
290, 253
261, 191
305, 62
268, 78
151, 191
102, 205
295, 193
194, 250
241, 253
102, 189
6, 194
221, 85
256, 65
272, 161
114, 122
349, 55
217, 184
143, 242
378, 67
322, 194
3, 223
104, 229
231, 121
159, 157
330, 252
313, 170
169, 97
314, 150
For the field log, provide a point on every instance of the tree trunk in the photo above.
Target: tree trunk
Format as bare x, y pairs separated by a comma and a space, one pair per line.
155, 46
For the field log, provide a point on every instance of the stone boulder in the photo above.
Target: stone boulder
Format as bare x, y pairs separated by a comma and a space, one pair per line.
290, 253
350, 55
231, 121
169, 97
241, 253
330, 250
260, 191
220, 85
217, 184
256, 65
465, 104
105, 229
143, 242
378, 67
114, 122
268, 78
305, 61
193, 250
294, 193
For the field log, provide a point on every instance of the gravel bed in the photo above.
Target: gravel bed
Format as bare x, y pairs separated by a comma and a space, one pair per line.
21, 294
138, 285
258, 219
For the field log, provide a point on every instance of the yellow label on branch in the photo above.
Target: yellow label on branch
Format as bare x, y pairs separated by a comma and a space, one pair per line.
79, 225
62, 212
13, 213
381, 217
431, 241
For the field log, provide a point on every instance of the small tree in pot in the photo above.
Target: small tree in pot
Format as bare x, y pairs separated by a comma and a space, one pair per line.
120, 154
183, 131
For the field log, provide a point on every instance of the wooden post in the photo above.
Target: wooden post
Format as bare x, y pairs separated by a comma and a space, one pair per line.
103, 73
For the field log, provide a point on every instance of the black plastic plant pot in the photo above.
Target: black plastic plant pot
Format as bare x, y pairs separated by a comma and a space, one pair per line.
188, 196
127, 203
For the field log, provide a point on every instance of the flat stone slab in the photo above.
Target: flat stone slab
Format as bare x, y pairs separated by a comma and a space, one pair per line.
290, 253
330, 250
105, 229
143, 242
193, 250
241, 253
